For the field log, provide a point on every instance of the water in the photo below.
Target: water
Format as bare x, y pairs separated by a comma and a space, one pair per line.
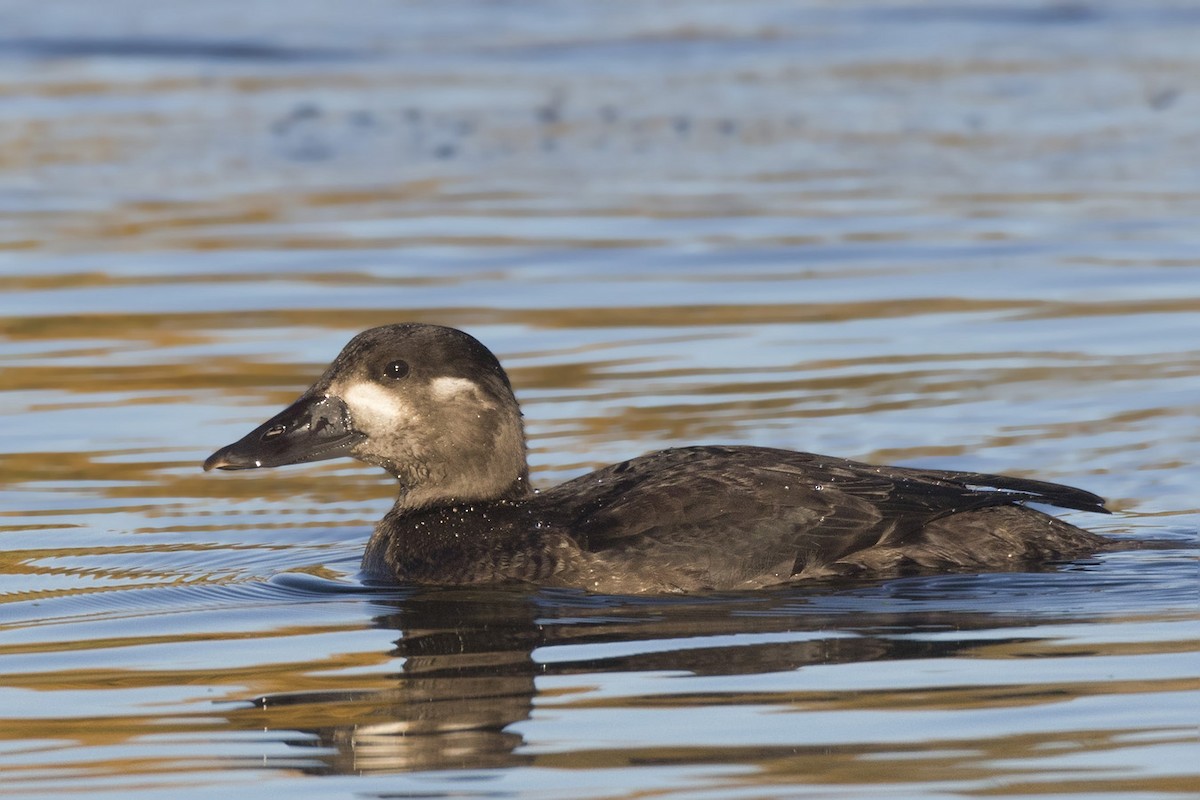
954, 235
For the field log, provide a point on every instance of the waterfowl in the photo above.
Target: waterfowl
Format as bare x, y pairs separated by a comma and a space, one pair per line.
433, 407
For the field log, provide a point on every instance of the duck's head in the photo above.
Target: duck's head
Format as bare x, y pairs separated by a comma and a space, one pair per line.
429, 404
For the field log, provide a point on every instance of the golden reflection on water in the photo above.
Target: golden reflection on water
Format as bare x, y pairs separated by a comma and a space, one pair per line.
461, 675
973, 254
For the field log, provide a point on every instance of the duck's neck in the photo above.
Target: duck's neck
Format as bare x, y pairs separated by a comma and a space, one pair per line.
473, 456
421, 496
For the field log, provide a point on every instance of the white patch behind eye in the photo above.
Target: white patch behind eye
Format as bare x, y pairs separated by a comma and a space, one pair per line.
372, 406
445, 388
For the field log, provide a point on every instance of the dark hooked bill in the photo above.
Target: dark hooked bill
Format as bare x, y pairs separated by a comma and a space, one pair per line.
313, 428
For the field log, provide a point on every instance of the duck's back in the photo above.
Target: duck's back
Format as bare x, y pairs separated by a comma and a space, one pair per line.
730, 517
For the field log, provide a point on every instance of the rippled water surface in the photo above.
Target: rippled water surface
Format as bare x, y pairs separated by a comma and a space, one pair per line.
957, 235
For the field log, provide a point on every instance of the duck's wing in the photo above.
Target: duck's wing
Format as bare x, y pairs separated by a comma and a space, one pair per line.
746, 510
1007, 488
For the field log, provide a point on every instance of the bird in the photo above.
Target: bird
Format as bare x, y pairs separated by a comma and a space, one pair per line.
433, 407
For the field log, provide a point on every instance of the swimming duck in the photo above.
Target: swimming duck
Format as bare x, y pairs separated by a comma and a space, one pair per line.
433, 407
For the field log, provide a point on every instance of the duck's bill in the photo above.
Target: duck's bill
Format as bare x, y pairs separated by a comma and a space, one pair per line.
313, 428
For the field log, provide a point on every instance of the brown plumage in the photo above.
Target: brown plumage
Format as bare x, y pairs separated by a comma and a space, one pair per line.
433, 407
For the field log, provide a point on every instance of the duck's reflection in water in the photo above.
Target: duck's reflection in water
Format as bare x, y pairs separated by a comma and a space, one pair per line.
466, 674
469, 665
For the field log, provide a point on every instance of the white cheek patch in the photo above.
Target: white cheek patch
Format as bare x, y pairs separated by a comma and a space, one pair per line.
444, 389
374, 408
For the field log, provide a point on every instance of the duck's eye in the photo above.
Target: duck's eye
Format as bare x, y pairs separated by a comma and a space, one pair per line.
396, 370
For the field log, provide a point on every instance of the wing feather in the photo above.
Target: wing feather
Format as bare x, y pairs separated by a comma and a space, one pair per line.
744, 510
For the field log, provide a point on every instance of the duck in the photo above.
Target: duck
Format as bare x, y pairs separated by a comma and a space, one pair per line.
433, 407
